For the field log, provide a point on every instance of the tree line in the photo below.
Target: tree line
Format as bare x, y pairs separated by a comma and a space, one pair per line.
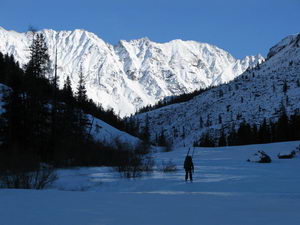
173, 100
286, 128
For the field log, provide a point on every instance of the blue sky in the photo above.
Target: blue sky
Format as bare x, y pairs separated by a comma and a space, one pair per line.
242, 27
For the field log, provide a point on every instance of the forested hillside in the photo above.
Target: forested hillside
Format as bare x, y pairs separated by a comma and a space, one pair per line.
261, 105
43, 127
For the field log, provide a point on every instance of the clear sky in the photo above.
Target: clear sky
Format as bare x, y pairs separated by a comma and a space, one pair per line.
242, 27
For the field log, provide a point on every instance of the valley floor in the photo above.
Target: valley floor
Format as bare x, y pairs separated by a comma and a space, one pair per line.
226, 190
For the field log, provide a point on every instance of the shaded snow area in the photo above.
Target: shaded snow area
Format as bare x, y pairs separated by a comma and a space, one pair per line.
131, 74
227, 190
107, 134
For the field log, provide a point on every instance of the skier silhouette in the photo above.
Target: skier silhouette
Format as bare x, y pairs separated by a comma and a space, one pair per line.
189, 167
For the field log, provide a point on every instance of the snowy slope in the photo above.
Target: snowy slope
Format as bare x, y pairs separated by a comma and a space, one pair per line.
107, 134
251, 97
226, 190
133, 73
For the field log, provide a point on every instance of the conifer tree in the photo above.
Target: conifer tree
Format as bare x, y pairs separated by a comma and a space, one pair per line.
220, 118
201, 122
222, 139
67, 90
81, 89
82, 102
39, 62
206, 141
145, 135
55, 78
162, 138
282, 131
285, 86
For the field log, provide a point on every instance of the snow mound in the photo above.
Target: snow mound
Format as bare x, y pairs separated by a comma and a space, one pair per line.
260, 157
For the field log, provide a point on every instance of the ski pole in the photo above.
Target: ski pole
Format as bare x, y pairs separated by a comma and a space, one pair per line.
188, 151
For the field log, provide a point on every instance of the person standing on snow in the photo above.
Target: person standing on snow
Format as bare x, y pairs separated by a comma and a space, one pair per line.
189, 167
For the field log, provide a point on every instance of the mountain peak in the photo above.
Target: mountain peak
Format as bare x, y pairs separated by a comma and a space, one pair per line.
133, 73
285, 42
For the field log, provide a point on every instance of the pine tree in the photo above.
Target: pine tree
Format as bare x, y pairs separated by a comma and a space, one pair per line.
67, 91
282, 130
81, 90
201, 122
222, 139
244, 134
295, 126
232, 137
12, 126
162, 139
145, 135
39, 62
36, 99
206, 141
254, 134
55, 79
82, 101
220, 119
285, 86
221, 93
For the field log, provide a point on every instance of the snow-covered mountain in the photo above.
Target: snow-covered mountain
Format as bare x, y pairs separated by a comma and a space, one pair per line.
256, 94
133, 73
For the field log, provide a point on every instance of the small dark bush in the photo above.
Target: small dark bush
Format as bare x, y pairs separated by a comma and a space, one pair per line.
25, 172
286, 155
265, 158
131, 163
260, 157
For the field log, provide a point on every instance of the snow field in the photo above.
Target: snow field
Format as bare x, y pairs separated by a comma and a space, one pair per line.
226, 190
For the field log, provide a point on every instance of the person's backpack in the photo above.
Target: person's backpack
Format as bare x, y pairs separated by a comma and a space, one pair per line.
188, 162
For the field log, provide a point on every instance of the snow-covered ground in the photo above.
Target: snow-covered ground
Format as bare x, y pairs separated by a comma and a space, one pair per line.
226, 190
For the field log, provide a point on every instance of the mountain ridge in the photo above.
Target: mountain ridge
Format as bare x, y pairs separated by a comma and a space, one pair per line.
257, 94
132, 74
